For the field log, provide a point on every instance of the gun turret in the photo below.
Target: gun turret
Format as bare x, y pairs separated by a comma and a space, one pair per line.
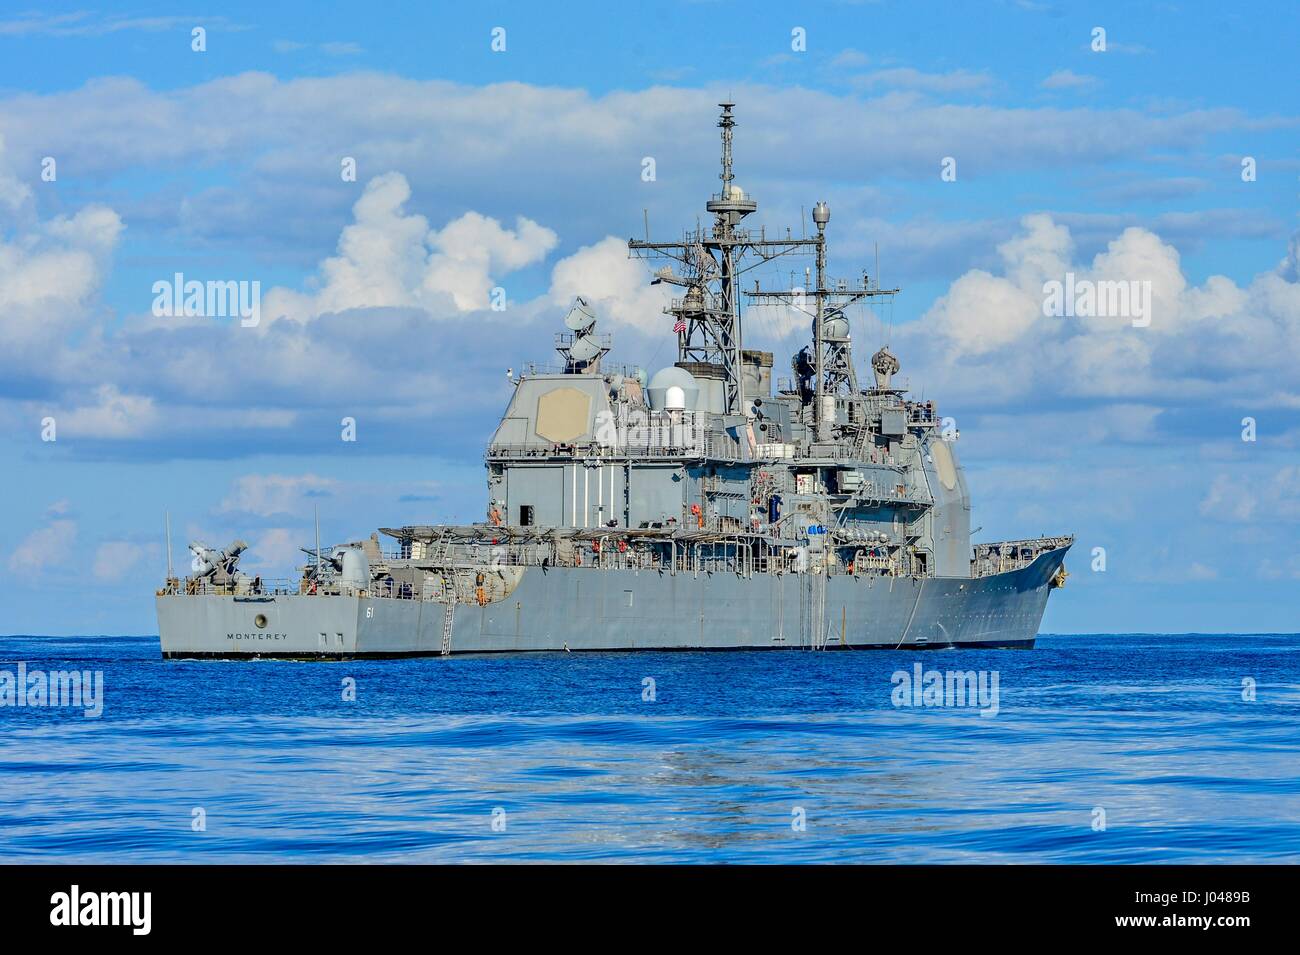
346, 566
218, 566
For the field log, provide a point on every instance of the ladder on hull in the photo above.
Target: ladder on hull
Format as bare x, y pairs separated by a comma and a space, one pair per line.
817, 581
448, 615
447, 618
812, 609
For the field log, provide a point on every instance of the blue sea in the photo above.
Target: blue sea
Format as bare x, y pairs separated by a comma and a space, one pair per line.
1116, 748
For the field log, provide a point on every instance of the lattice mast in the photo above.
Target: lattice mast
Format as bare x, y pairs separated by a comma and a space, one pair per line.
707, 319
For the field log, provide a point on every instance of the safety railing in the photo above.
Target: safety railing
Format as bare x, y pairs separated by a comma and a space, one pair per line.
1005, 556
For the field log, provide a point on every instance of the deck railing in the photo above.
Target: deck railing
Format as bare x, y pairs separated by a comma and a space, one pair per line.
459, 562
1002, 557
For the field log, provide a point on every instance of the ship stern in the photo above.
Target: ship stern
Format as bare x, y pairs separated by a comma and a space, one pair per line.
295, 626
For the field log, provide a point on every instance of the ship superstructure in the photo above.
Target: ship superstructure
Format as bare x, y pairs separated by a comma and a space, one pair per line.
702, 506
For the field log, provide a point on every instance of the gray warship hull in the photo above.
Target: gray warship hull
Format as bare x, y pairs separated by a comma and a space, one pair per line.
590, 609
707, 506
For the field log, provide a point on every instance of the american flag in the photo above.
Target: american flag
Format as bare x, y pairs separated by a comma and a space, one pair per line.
679, 327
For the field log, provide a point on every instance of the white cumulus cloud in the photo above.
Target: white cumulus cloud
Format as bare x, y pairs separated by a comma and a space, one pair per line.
987, 337
115, 559
46, 547
111, 415
277, 549
389, 257
269, 494
614, 283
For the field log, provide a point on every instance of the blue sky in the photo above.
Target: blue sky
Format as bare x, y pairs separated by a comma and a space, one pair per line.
225, 164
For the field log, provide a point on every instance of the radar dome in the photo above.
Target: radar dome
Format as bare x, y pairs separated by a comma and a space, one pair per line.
837, 327
676, 380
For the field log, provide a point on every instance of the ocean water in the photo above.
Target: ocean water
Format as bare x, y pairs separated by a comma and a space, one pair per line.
751, 757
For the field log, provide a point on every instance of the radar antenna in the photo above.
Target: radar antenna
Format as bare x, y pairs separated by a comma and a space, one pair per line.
707, 318
885, 366
581, 348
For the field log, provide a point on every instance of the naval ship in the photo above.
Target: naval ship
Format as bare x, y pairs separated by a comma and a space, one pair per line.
703, 506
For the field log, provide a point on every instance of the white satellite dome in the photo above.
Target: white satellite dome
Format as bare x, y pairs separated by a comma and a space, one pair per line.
837, 327
685, 389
